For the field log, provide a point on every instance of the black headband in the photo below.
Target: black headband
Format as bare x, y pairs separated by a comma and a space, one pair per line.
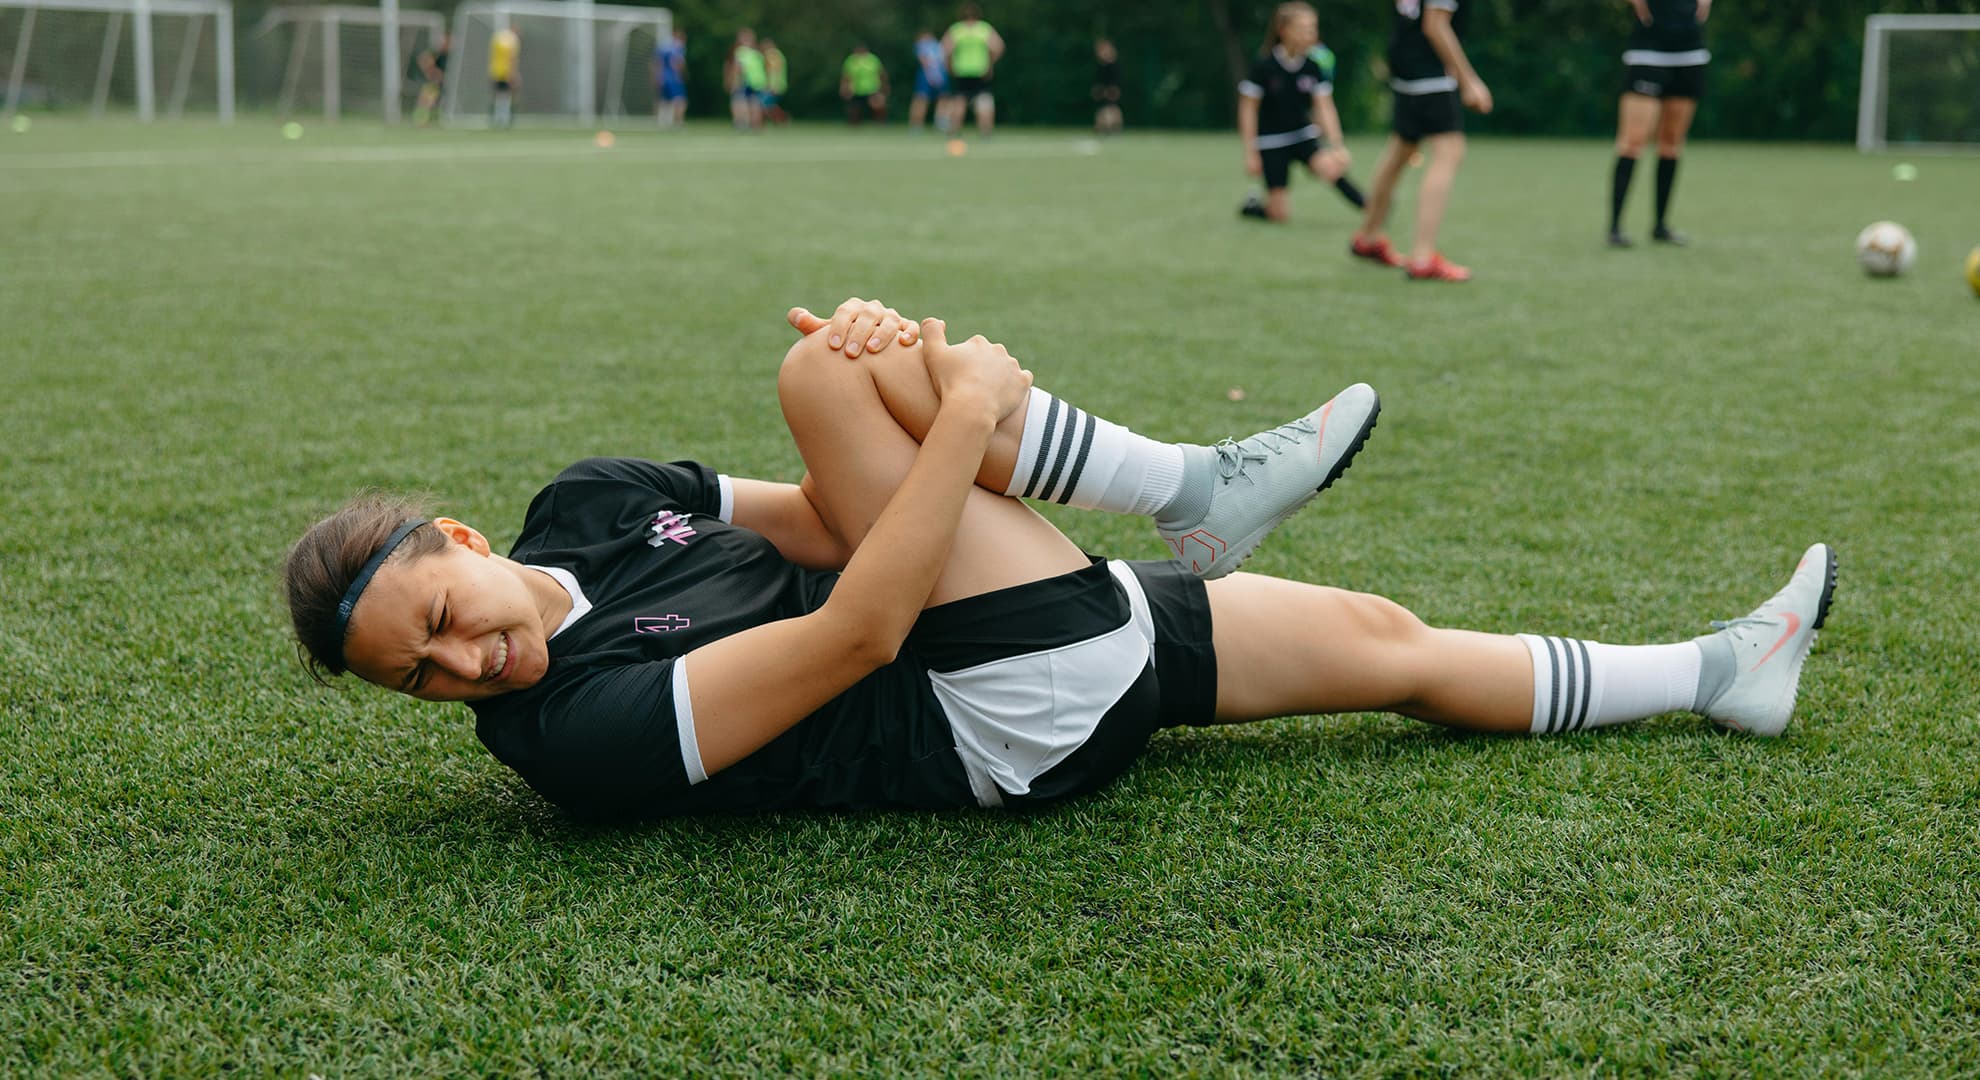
371, 566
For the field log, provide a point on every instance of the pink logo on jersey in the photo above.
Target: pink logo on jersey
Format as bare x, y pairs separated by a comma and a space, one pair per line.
668, 525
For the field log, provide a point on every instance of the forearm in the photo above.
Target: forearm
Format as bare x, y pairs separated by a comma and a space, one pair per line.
1444, 41
1248, 122
1330, 120
889, 578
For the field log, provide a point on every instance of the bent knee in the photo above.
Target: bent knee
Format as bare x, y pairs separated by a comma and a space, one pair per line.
1383, 620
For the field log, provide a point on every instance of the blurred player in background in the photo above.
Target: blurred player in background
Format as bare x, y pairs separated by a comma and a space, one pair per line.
1286, 114
1431, 78
1666, 58
931, 82
1106, 88
504, 50
670, 80
778, 82
433, 73
746, 80
972, 48
863, 86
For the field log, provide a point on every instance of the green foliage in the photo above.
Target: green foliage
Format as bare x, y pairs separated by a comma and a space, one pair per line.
210, 866
1780, 71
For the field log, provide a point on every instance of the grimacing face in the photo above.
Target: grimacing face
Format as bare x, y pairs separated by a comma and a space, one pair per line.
459, 624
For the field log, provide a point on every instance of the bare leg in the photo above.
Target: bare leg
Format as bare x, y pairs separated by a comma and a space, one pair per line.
1634, 118
1388, 171
1674, 124
1278, 204
857, 453
1446, 154
917, 112
1355, 652
986, 113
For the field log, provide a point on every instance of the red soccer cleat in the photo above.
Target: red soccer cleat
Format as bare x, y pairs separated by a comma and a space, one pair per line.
1377, 250
1437, 268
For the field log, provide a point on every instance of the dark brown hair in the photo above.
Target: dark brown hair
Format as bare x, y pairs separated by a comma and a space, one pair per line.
322, 565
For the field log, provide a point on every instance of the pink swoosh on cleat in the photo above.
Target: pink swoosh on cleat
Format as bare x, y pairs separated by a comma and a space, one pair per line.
1794, 627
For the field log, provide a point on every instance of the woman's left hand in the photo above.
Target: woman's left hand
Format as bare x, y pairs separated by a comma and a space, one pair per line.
858, 326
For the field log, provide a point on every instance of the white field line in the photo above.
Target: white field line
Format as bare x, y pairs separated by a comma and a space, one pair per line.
755, 153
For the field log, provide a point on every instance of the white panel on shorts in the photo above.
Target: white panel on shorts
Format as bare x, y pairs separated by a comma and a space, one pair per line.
1288, 138
684, 723
1015, 718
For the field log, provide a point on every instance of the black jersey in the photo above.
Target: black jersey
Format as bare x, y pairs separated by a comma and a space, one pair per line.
1284, 90
1415, 67
609, 732
1674, 33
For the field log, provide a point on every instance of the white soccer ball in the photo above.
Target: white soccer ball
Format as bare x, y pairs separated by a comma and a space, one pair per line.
1885, 249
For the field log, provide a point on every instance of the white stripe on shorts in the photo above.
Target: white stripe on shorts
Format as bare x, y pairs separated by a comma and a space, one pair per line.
1653, 58
1418, 87
1282, 139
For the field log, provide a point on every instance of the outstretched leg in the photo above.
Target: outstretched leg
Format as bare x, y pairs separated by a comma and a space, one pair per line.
1353, 652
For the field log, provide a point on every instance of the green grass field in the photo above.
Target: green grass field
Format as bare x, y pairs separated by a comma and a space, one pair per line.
208, 863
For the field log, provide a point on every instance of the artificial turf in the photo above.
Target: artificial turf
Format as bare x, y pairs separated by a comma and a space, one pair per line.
208, 863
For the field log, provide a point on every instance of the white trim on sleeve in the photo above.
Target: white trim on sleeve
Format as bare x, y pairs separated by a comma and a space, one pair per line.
1250, 89
1443, 5
727, 510
684, 718
1325, 89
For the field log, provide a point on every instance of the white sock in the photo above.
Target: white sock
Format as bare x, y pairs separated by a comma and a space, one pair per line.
1070, 456
1583, 684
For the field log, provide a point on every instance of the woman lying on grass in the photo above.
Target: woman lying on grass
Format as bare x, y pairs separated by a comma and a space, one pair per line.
900, 629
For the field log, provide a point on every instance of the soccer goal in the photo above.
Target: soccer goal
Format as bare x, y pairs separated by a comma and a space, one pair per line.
344, 59
1921, 82
579, 62
158, 56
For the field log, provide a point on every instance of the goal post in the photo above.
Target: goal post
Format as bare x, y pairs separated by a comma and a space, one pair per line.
579, 62
155, 55
339, 58
1921, 82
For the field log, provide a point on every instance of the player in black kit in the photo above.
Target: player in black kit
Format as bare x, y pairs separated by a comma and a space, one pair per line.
893, 631
1286, 114
1665, 62
1431, 78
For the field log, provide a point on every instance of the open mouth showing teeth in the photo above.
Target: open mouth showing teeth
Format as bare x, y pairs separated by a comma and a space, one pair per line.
501, 667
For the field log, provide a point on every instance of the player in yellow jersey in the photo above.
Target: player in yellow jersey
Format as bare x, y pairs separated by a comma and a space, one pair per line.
972, 48
504, 54
863, 86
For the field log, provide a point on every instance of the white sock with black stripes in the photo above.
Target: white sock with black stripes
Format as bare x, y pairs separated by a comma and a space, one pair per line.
1583, 684
1070, 456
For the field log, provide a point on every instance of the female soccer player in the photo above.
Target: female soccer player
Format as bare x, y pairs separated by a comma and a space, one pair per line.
746, 78
1286, 114
1431, 77
1666, 58
899, 629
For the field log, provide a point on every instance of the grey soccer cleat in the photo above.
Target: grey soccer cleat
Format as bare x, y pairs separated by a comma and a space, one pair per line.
1263, 480
1767, 649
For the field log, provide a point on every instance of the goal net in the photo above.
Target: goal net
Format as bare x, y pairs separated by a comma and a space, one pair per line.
1921, 82
579, 63
159, 57
337, 59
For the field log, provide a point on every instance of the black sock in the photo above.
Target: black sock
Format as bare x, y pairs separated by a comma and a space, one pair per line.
1667, 172
1619, 190
1350, 192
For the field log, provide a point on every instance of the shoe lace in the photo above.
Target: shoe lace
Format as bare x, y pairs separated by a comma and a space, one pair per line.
1232, 457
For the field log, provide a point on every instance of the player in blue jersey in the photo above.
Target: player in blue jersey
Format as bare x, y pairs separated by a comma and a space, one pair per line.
670, 80
899, 629
931, 82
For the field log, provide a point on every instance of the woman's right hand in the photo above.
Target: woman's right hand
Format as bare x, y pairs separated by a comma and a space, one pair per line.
1253, 164
978, 370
